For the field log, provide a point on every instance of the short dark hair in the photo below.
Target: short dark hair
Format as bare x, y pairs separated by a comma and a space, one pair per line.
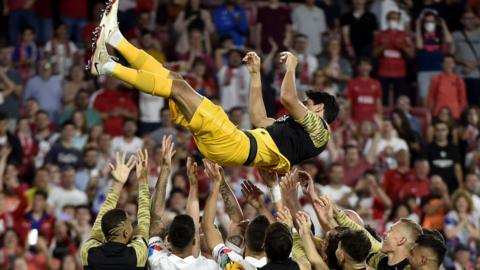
181, 232
255, 233
278, 242
111, 220
41, 193
329, 102
434, 241
449, 55
356, 244
332, 245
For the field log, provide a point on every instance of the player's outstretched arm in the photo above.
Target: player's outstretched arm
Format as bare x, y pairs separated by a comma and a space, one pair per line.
193, 205
157, 227
288, 90
120, 173
256, 106
212, 234
140, 237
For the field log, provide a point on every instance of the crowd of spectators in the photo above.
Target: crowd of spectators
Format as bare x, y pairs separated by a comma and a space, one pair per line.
406, 143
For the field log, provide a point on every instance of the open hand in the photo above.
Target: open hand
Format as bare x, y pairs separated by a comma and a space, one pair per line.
122, 169
284, 216
167, 151
213, 171
141, 166
304, 223
192, 172
252, 194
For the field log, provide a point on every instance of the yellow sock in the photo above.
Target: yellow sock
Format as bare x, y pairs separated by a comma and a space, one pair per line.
144, 81
139, 59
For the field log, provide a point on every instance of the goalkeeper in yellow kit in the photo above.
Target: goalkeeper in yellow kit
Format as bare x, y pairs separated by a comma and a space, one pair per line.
274, 145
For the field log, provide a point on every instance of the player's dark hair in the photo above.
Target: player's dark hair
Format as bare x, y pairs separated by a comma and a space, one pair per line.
434, 241
181, 232
255, 233
278, 242
331, 107
332, 244
356, 244
372, 231
111, 220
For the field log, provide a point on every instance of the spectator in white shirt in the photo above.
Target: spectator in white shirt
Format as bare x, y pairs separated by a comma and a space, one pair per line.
307, 62
309, 20
128, 143
150, 107
336, 189
66, 194
389, 143
233, 82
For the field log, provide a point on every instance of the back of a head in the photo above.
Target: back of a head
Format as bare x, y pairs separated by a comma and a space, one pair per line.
255, 233
278, 242
181, 232
330, 104
112, 223
356, 244
413, 230
434, 242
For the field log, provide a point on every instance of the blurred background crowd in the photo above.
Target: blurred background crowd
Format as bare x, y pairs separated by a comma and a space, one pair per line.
406, 143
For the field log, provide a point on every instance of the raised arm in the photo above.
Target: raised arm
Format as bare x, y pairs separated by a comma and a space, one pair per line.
120, 173
271, 180
140, 237
304, 225
193, 206
212, 234
233, 210
157, 227
288, 90
256, 106
289, 188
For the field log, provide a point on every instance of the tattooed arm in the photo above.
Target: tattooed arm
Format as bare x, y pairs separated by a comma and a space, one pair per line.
233, 210
157, 227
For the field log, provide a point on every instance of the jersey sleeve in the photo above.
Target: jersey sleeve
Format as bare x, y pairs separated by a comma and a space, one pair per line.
316, 127
225, 256
374, 259
139, 242
156, 250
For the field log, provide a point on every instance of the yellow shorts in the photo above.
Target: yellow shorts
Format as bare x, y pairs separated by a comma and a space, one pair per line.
220, 141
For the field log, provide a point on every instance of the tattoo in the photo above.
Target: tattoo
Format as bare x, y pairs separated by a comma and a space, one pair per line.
231, 207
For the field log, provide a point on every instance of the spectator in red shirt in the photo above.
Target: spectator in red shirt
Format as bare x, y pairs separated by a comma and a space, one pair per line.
114, 107
9, 218
201, 80
420, 185
447, 90
273, 21
395, 179
354, 165
393, 47
364, 94
74, 14
37, 218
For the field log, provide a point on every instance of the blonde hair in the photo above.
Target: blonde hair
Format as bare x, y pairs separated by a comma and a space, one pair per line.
413, 231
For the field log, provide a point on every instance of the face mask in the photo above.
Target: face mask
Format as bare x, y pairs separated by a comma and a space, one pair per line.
394, 25
430, 27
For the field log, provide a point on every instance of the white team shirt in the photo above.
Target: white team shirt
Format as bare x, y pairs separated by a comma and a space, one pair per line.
159, 258
224, 255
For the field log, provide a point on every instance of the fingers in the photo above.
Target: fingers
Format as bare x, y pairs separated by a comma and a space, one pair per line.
111, 166
131, 162
117, 158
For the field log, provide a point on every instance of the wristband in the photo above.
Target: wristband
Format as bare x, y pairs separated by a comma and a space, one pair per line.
276, 193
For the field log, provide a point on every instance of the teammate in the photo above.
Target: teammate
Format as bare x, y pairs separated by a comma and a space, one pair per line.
273, 145
113, 243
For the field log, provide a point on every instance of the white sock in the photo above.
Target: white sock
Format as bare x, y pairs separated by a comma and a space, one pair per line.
115, 38
108, 67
